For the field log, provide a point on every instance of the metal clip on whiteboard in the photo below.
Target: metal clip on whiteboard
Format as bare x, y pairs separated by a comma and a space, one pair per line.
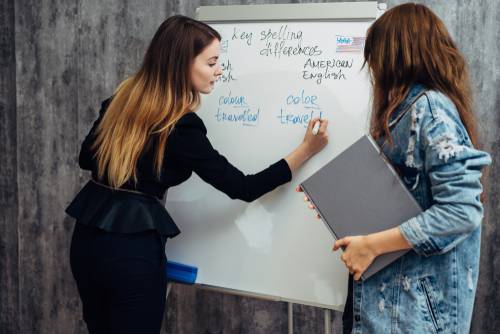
382, 7
181, 273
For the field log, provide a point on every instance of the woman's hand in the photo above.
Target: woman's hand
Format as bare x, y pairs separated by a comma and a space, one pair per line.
316, 142
306, 199
359, 253
311, 144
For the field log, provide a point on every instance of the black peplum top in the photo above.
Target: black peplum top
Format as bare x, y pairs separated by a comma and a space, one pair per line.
139, 207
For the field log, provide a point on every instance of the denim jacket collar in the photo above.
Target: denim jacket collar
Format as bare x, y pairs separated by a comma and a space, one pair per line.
415, 90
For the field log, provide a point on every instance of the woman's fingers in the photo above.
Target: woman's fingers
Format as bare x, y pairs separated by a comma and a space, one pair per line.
340, 243
309, 135
312, 122
316, 142
323, 126
311, 206
306, 199
348, 263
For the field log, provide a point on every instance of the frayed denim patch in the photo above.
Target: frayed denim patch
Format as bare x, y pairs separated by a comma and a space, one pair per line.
470, 283
381, 305
406, 283
415, 115
446, 146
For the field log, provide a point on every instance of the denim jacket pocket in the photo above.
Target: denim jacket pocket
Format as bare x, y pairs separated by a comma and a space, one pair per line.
433, 301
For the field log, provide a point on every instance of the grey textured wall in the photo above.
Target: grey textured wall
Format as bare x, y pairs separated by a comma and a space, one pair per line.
58, 59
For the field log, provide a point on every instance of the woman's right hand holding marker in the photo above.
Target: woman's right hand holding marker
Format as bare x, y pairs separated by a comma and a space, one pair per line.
311, 144
316, 136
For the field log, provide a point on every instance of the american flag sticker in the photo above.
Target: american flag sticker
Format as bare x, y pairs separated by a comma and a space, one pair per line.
349, 43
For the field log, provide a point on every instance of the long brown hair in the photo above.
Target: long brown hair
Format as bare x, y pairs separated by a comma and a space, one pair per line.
151, 102
410, 45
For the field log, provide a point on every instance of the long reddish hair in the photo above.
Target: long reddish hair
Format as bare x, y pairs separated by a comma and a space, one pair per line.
410, 45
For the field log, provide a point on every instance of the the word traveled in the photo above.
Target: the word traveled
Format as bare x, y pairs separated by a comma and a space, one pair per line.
301, 118
244, 116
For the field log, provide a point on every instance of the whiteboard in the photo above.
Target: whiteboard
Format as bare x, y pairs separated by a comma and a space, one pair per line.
277, 75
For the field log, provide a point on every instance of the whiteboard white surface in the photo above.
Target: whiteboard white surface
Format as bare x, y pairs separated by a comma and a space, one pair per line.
257, 114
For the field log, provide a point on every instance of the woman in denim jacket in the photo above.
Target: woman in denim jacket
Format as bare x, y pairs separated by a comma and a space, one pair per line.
422, 117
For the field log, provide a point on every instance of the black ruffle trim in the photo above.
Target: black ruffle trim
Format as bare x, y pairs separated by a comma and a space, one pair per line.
120, 211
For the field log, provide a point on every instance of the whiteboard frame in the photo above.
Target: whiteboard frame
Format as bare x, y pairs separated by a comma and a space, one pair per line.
306, 12
336, 11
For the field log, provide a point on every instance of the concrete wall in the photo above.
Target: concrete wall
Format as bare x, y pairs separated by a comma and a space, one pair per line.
58, 60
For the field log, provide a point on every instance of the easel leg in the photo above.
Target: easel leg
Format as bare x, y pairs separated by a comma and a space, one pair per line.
169, 287
328, 321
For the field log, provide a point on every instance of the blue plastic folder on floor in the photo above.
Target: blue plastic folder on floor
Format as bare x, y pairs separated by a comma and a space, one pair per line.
181, 273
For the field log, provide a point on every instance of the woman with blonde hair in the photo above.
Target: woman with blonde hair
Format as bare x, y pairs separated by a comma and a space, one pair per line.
423, 119
148, 138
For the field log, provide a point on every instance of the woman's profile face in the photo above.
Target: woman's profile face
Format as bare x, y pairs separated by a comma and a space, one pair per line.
206, 68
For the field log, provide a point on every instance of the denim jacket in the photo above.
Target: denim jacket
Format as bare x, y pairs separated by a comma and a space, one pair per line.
431, 288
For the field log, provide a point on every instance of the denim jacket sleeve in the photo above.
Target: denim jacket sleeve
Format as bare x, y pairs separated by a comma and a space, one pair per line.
453, 167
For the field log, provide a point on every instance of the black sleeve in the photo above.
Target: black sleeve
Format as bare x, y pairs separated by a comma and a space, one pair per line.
189, 145
86, 157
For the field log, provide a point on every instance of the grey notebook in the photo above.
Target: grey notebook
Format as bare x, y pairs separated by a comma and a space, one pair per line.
359, 193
